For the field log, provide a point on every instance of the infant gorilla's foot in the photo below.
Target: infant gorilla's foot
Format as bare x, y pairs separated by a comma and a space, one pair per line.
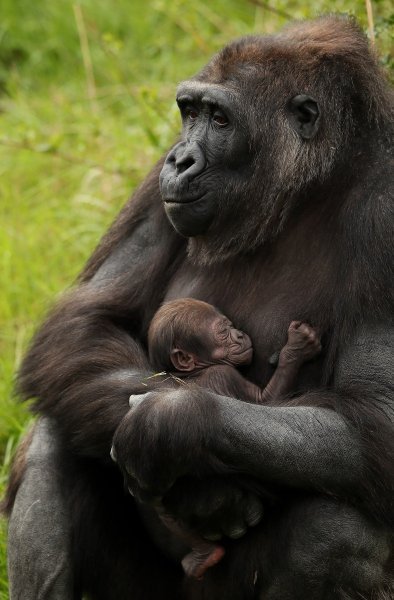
303, 344
197, 562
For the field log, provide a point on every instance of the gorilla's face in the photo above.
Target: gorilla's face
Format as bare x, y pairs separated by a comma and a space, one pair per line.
210, 161
248, 147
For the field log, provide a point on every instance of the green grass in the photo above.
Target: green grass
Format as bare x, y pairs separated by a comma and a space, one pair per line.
70, 156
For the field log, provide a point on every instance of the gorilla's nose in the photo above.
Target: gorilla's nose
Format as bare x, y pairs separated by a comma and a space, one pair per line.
188, 160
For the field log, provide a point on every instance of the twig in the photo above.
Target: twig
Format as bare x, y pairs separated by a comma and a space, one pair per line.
275, 11
371, 27
86, 56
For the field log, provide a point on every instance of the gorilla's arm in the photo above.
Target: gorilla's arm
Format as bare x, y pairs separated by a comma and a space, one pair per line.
300, 446
339, 442
87, 357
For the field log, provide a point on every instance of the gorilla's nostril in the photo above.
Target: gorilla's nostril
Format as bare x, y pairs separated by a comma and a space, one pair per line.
185, 162
184, 165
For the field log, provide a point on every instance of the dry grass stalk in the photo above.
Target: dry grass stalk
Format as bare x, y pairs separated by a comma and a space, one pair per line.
86, 56
371, 28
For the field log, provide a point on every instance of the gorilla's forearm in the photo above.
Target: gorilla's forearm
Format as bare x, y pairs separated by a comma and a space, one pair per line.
193, 431
81, 369
300, 446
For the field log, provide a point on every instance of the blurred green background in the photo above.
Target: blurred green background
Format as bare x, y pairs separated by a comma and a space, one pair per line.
86, 107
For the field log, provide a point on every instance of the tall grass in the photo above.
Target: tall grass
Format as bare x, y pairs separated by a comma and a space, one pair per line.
77, 136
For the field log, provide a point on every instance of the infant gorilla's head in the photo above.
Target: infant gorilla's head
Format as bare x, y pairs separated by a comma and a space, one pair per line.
188, 335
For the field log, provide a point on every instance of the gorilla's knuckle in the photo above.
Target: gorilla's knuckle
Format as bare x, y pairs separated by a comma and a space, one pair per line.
237, 532
253, 516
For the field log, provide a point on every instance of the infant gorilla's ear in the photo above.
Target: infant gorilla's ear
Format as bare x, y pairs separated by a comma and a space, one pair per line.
180, 335
183, 361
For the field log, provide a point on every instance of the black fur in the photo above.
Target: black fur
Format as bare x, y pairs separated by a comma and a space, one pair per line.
299, 229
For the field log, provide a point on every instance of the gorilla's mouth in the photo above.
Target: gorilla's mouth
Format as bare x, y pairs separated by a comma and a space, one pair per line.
190, 216
244, 357
184, 200
244, 352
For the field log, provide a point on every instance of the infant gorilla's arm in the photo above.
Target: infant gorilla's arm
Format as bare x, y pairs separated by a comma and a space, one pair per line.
302, 345
226, 380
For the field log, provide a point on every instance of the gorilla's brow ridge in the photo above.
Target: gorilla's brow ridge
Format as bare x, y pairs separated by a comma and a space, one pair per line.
200, 87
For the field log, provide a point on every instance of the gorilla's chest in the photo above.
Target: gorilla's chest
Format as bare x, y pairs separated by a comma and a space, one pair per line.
261, 299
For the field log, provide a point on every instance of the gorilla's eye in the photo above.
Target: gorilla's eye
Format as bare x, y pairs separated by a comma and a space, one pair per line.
220, 119
192, 114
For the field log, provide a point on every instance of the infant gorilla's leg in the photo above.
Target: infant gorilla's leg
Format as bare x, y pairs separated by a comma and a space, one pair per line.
325, 551
201, 558
203, 554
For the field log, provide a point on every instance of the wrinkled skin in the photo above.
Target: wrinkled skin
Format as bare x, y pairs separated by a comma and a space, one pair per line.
195, 170
230, 345
303, 344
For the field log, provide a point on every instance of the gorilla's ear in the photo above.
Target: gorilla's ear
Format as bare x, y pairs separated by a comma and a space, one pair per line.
183, 361
304, 115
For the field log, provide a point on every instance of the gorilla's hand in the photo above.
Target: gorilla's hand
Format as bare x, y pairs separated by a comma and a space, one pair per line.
214, 506
165, 435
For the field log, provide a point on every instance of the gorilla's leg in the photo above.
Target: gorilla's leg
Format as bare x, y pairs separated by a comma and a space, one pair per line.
73, 529
114, 556
326, 550
39, 535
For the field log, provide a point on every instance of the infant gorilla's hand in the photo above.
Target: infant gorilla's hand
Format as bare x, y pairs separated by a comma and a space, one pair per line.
302, 345
214, 506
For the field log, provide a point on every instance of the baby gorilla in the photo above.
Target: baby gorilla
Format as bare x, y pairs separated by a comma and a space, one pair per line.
193, 341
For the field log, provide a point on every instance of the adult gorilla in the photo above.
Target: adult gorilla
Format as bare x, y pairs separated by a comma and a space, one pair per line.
280, 187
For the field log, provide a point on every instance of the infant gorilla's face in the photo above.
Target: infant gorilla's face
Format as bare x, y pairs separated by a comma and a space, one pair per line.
230, 345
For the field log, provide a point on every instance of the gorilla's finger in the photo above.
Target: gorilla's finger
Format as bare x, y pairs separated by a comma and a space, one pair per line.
254, 511
295, 324
113, 454
136, 399
235, 530
132, 487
